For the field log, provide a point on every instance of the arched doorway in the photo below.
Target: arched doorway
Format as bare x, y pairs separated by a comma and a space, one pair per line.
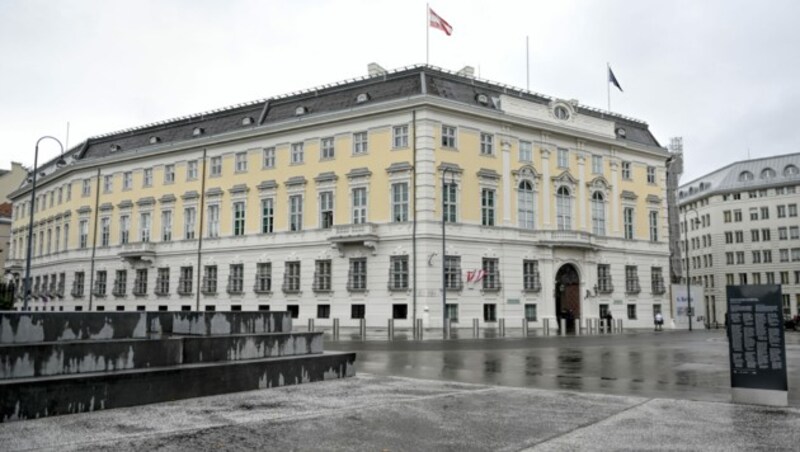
568, 294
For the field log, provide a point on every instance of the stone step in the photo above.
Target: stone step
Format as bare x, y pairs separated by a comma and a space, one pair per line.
27, 398
197, 323
33, 327
250, 346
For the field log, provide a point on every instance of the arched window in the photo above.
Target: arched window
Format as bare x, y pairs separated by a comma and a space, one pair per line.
525, 212
745, 176
768, 173
563, 209
791, 171
598, 214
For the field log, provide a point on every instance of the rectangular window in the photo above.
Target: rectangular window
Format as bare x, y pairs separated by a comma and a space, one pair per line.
268, 157
754, 214
627, 218
359, 205
213, 220
236, 279
448, 136
487, 144
781, 211
120, 283
756, 278
794, 232
765, 213
263, 277
398, 273
326, 209
792, 210
489, 312
726, 216
729, 279
267, 216
360, 143
450, 193
756, 257
770, 277
216, 166
189, 223
626, 170
169, 174
795, 255
491, 273
651, 175
124, 229
108, 183
452, 273
185, 281
68, 189
737, 215
452, 312
487, 207
209, 283
783, 233
357, 278
166, 225
530, 312
784, 277
297, 153
740, 257
754, 235
140, 283
323, 311
530, 276
597, 164
86, 188
631, 312
78, 284
357, 311
653, 226
144, 226
322, 276
657, 281
100, 283
632, 280
291, 277
563, 158
765, 235
400, 137
399, 311
743, 278
525, 151
296, 213
127, 180
238, 218
83, 234
327, 149
191, 169
147, 177
400, 202
162, 281
105, 231
739, 236
728, 236
604, 284
241, 162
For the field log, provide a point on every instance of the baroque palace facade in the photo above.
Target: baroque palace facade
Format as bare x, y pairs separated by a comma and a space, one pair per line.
329, 203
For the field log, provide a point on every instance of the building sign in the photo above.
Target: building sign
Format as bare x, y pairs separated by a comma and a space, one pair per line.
680, 307
756, 343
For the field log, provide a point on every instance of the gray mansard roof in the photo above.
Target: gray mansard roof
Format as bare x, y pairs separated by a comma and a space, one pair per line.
390, 85
745, 175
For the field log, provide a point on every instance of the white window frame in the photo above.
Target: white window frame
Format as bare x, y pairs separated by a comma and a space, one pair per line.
597, 164
296, 212
360, 202
213, 220
191, 169
400, 136
240, 162
267, 215
487, 143
239, 216
189, 223
449, 136
525, 151
215, 169
327, 148
166, 225
564, 208
326, 209
360, 143
169, 174
598, 214
298, 153
147, 177
400, 202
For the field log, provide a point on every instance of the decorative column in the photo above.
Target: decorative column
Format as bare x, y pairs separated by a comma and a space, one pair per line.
425, 190
546, 198
582, 188
505, 144
614, 196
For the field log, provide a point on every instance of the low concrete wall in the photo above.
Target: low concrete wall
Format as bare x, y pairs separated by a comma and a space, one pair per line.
30, 398
33, 327
222, 323
65, 358
234, 348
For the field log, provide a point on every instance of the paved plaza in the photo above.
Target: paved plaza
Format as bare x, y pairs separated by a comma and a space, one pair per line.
636, 391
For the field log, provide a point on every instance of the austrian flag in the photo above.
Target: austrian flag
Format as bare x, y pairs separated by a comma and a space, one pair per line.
437, 22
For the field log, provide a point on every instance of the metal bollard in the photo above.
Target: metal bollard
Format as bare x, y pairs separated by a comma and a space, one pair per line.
446, 332
336, 329
619, 326
419, 329
563, 324
475, 328
546, 327
524, 327
390, 329
577, 326
613, 323
501, 325
310, 325
362, 329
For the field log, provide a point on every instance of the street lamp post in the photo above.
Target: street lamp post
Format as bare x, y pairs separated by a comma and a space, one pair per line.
688, 263
60, 162
444, 255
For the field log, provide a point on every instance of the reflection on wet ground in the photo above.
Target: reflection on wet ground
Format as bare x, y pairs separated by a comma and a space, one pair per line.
679, 365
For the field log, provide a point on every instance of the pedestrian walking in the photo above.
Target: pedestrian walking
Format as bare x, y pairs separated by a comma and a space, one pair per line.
659, 321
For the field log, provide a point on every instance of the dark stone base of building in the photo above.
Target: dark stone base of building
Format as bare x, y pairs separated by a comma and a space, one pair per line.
46, 372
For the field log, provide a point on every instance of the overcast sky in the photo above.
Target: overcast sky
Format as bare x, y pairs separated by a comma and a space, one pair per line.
723, 74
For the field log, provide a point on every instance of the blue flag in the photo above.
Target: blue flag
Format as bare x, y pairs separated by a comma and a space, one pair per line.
613, 79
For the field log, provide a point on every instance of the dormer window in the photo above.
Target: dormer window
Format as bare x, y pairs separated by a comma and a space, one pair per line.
155, 140
361, 98
622, 133
299, 111
246, 121
791, 171
745, 176
482, 99
115, 148
561, 112
197, 131
768, 173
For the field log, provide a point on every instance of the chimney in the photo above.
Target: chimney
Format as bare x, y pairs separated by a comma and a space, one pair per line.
467, 71
375, 69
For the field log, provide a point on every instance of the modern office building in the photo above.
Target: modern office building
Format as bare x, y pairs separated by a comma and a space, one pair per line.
743, 229
329, 203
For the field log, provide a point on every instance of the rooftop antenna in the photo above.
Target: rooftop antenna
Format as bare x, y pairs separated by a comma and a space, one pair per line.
527, 65
66, 141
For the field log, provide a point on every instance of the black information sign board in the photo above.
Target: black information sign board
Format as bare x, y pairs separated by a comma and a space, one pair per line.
755, 333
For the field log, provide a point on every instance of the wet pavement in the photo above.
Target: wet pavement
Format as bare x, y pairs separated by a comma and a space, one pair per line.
669, 364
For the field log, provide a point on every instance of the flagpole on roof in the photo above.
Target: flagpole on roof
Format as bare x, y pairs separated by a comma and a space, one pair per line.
527, 65
427, 33
608, 84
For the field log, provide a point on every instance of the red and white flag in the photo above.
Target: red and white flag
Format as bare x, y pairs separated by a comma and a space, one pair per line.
437, 22
474, 276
